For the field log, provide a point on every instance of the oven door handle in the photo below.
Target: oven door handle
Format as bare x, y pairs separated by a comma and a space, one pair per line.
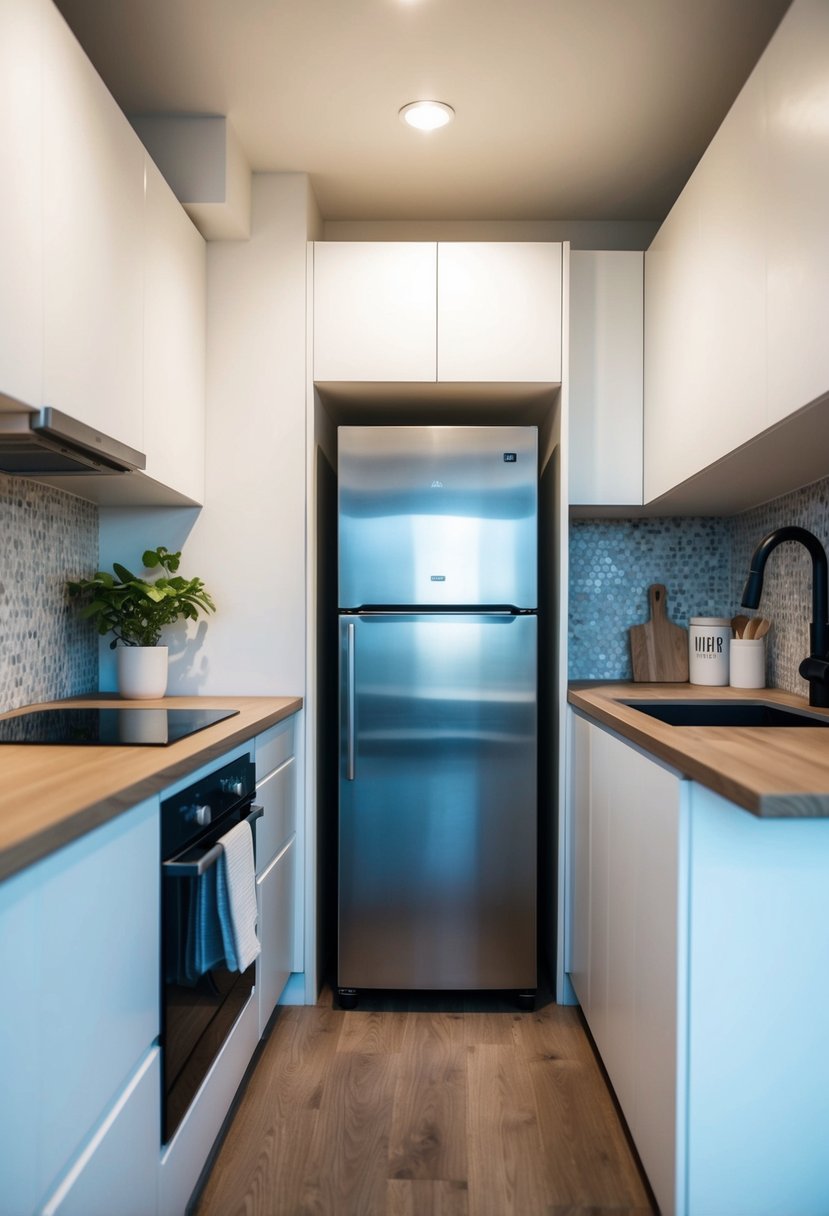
195, 869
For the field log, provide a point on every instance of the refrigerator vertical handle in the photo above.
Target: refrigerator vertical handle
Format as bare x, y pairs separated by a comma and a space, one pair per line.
350, 694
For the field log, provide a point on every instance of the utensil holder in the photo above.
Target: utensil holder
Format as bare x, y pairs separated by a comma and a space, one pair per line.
747, 663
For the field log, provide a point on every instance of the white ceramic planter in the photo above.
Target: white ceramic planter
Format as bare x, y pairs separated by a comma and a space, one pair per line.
142, 672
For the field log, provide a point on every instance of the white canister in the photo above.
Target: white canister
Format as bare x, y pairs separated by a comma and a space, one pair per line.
708, 640
747, 663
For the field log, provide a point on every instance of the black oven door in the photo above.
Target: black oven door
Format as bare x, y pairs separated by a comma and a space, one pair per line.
198, 1010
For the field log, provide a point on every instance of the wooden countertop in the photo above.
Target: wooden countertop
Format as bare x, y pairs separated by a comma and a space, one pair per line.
774, 772
51, 795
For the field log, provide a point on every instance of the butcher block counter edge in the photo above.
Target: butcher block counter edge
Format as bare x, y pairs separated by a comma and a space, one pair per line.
774, 772
52, 795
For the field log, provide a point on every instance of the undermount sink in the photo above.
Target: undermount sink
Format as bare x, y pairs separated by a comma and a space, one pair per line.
726, 713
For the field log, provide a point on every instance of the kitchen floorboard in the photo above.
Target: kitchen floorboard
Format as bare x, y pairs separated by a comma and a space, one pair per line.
426, 1106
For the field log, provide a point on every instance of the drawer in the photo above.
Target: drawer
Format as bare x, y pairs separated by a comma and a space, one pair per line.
274, 747
275, 897
118, 1170
277, 795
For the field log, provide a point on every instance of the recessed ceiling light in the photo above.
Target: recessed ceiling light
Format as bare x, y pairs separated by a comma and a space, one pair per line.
427, 115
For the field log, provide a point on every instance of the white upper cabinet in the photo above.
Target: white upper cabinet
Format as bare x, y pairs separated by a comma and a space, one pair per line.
705, 368
499, 312
415, 312
174, 341
605, 377
21, 200
797, 84
735, 280
374, 311
103, 290
93, 225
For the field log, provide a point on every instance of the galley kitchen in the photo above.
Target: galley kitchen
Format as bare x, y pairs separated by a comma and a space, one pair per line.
413, 608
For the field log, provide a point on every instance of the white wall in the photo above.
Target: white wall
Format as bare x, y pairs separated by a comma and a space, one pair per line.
248, 542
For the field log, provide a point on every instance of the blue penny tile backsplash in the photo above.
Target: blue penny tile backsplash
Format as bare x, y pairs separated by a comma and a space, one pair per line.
703, 563
787, 583
612, 564
46, 537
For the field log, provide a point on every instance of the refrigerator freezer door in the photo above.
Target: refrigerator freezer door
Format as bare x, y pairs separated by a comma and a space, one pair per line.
437, 849
437, 516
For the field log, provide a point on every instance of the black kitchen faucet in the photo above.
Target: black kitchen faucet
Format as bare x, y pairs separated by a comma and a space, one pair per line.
815, 667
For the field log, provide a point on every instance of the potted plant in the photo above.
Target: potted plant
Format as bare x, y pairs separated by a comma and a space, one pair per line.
135, 610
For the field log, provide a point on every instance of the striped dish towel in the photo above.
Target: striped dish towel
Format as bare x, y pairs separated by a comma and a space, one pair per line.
236, 896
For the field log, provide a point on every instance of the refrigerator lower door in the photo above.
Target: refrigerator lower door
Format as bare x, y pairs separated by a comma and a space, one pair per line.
437, 829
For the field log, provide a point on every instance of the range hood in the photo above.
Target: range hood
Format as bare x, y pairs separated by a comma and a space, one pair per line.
48, 442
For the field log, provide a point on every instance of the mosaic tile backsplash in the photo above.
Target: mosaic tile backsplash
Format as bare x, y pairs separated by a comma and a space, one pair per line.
703, 563
46, 537
612, 564
787, 584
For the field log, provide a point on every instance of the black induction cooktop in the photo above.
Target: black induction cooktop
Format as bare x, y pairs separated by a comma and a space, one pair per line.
78, 725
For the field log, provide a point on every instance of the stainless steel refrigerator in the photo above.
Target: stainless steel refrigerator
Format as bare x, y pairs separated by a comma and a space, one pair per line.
438, 708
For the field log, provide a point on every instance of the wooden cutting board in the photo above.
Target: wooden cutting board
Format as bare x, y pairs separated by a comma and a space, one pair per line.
659, 648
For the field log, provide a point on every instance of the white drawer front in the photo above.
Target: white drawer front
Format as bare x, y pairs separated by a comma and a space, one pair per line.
277, 794
275, 891
274, 747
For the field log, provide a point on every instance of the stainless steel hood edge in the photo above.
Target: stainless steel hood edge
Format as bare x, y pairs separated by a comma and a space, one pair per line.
49, 442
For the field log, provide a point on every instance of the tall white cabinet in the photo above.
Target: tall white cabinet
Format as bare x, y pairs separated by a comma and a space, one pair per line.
606, 336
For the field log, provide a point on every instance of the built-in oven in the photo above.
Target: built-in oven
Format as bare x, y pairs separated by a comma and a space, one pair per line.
201, 999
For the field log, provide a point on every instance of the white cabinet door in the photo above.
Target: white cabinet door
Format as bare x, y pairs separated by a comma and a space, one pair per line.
374, 311
499, 311
631, 893
730, 382
93, 226
174, 341
275, 896
758, 990
21, 200
735, 283
118, 1170
674, 279
797, 194
605, 377
84, 1008
580, 800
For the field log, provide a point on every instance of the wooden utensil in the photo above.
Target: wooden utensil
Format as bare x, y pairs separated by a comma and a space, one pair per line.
751, 627
762, 628
659, 648
738, 624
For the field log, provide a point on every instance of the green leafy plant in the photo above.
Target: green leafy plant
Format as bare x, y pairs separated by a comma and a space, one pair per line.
135, 609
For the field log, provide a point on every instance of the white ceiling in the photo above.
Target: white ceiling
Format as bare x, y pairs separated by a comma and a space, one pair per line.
566, 109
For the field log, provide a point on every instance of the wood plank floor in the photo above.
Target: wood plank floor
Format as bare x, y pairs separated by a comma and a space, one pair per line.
423, 1107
